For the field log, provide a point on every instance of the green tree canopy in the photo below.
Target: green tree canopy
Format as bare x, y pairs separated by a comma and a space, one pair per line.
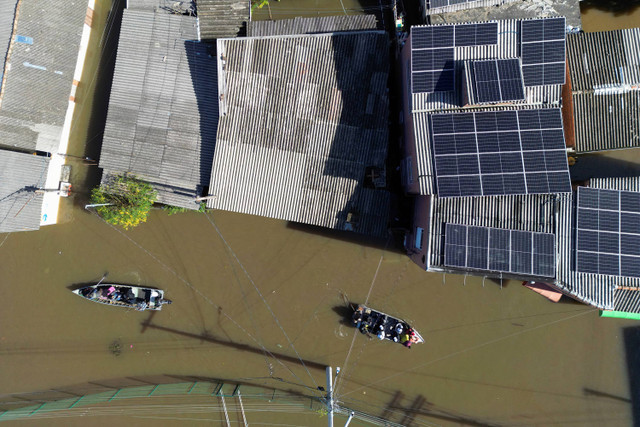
128, 201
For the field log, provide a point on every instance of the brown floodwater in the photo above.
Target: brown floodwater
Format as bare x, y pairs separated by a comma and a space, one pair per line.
261, 301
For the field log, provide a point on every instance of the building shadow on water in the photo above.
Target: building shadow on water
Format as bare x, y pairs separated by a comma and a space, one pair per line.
601, 166
617, 7
103, 79
632, 349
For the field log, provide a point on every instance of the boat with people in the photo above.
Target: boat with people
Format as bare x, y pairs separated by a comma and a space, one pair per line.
129, 296
385, 327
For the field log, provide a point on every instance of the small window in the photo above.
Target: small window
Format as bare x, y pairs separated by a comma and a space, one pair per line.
419, 236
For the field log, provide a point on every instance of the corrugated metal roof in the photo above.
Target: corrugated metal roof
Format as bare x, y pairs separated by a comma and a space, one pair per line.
423, 104
599, 290
462, 5
508, 46
509, 9
168, 6
222, 18
604, 60
37, 87
604, 68
7, 16
422, 138
325, 24
606, 121
536, 213
20, 175
163, 109
305, 117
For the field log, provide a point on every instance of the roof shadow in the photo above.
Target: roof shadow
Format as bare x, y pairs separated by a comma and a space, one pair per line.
602, 166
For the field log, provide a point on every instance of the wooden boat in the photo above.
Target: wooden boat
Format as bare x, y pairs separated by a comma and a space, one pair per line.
128, 296
385, 327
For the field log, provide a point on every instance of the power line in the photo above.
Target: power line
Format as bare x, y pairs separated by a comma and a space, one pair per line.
262, 297
207, 299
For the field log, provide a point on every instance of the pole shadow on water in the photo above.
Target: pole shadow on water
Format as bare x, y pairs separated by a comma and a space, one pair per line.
237, 346
420, 407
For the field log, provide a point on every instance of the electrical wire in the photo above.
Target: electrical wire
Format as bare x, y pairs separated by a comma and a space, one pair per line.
262, 297
475, 347
203, 296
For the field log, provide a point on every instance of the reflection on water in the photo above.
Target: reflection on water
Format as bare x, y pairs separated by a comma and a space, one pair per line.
256, 299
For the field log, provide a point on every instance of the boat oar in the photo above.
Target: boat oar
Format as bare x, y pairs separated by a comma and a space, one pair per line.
103, 277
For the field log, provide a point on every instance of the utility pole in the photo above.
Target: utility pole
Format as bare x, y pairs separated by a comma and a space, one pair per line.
330, 395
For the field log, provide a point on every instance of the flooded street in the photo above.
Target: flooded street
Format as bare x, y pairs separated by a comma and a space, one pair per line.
261, 302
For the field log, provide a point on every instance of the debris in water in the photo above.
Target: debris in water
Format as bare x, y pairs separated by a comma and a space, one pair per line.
115, 348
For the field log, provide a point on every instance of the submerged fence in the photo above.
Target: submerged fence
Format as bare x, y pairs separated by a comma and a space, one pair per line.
193, 397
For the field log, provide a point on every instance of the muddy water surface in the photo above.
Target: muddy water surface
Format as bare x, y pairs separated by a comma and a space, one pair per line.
261, 301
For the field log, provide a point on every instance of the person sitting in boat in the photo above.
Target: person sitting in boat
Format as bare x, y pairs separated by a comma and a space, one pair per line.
405, 340
357, 316
408, 338
381, 334
129, 296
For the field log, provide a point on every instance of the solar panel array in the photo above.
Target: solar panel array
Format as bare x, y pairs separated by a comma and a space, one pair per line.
500, 250
608, 232
543, 51
495, 80
500, 152
442, 3
432, 48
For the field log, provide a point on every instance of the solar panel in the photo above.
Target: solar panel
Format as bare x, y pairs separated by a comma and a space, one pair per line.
500, 250
608, 232
494, 80
499, 152
476, 34
443, 3
432, 52
542, 49
432, 59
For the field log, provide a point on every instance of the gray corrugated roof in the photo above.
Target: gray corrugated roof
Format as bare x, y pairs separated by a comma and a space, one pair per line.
222, 18
604, 68
601, 60
37, 87
20, 175
606, 121
536, 213
434, 8
7, 15
168, 6
486, 10
163, 108
305, 116
599, 290
326, 24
